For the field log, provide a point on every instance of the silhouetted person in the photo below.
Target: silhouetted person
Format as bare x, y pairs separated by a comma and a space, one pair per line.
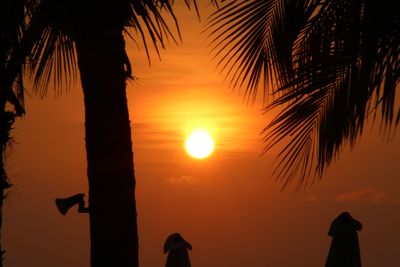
345, 249
177, 247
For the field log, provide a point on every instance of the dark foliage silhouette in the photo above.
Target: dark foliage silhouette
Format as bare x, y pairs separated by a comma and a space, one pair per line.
345, 249
330, 65
177, 249
11, 96
92, 32
65, 36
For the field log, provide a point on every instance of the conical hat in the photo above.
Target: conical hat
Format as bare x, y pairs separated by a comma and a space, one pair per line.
175, 241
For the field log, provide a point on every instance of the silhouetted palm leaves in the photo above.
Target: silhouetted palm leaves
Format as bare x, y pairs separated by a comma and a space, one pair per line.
66, 35
12, 18
330, 64
59, 23
12, 25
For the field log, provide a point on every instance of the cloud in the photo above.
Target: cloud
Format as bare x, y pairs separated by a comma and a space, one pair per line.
183, 179
366, 195
311, 199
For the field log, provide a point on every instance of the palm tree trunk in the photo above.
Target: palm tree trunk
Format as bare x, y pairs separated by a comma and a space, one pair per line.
113, 223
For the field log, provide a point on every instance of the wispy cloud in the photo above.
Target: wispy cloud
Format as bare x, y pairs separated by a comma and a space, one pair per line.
183, 179
311, 198
367, 195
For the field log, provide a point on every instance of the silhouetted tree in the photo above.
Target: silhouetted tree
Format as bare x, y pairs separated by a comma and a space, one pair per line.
11, 97
330, 66
59, 32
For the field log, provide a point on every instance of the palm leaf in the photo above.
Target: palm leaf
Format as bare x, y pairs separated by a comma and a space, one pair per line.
53, 52
12, 25
53, 59
333, 64
252, 40
239, 42
348, 60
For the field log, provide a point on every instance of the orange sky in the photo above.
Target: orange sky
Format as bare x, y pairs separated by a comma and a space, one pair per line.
227, 206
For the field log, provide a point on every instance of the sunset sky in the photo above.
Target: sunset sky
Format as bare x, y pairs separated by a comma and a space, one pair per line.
226, 205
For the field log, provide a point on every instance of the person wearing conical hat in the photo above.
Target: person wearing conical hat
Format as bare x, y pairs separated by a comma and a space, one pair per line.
177, 249
345, 249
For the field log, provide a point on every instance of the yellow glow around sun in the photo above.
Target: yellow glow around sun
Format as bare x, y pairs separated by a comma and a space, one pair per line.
199, 144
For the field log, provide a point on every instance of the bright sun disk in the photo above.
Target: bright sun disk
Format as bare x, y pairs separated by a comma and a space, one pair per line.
199, 144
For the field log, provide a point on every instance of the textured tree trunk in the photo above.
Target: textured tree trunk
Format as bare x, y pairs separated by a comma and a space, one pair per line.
113, 224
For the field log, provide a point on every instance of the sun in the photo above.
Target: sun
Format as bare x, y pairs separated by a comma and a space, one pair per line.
199, 144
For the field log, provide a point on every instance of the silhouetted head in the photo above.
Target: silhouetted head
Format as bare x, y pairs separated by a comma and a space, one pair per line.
345, 215
344, 223
175, 241
177, 237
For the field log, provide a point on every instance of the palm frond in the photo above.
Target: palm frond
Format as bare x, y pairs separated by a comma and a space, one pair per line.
32, 44
253, 39
333, 63
53, 61
238, 31
53, 52
343, 54
150, 19
12, 25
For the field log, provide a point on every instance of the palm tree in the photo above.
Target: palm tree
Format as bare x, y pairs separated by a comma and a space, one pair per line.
11, 98
95, 30
59, 32
330, 65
